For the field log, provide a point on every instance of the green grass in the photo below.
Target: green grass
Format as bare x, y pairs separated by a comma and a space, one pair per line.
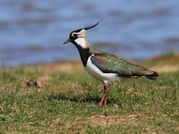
68, 103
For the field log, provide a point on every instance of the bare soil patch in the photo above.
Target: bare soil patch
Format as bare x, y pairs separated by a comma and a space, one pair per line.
105, 121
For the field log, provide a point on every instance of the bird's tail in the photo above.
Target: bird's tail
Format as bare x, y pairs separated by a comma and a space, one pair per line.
152, 76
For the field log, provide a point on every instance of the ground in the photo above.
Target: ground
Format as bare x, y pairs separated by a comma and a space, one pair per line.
63, 98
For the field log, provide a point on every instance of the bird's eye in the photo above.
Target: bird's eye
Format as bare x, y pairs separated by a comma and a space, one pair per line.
74, 35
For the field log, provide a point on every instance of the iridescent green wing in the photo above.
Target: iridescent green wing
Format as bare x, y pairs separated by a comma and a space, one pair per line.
108, 63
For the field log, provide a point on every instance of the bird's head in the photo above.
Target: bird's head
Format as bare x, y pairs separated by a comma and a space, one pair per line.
78, 37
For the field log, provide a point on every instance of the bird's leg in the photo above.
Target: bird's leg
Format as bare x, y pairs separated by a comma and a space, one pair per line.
104, 97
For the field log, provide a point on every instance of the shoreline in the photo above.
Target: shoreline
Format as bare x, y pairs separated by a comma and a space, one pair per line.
162, 63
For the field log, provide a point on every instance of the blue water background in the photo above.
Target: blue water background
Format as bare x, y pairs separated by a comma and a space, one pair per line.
33, 31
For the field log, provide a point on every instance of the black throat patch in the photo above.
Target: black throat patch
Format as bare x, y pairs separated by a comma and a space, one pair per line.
85, 53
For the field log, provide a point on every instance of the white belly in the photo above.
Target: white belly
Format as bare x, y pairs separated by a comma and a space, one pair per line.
98, 74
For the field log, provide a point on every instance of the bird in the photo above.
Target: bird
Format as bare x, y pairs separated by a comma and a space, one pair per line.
105, 67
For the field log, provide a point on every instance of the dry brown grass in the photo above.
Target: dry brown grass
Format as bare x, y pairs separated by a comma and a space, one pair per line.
163, 63
62, 66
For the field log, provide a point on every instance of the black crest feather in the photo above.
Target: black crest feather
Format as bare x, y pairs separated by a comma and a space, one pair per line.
89, 27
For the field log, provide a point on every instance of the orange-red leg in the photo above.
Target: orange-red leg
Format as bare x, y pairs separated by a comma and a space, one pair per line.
104, 97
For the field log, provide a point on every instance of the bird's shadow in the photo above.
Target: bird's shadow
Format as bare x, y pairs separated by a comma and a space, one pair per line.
81, 98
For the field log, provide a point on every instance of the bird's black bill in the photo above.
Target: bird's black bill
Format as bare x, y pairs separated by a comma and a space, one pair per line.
67, 41
87, 28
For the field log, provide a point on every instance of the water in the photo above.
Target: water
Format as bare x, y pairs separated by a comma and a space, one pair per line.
33, 31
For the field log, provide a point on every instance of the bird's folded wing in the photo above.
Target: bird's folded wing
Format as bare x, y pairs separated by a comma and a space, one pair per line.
108, 63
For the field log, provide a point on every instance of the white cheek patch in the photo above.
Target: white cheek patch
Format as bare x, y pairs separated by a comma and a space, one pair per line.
81, 42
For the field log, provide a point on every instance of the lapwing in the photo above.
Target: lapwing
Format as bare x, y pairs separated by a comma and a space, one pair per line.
104, 66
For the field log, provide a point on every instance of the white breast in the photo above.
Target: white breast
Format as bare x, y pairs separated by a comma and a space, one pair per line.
98, 74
